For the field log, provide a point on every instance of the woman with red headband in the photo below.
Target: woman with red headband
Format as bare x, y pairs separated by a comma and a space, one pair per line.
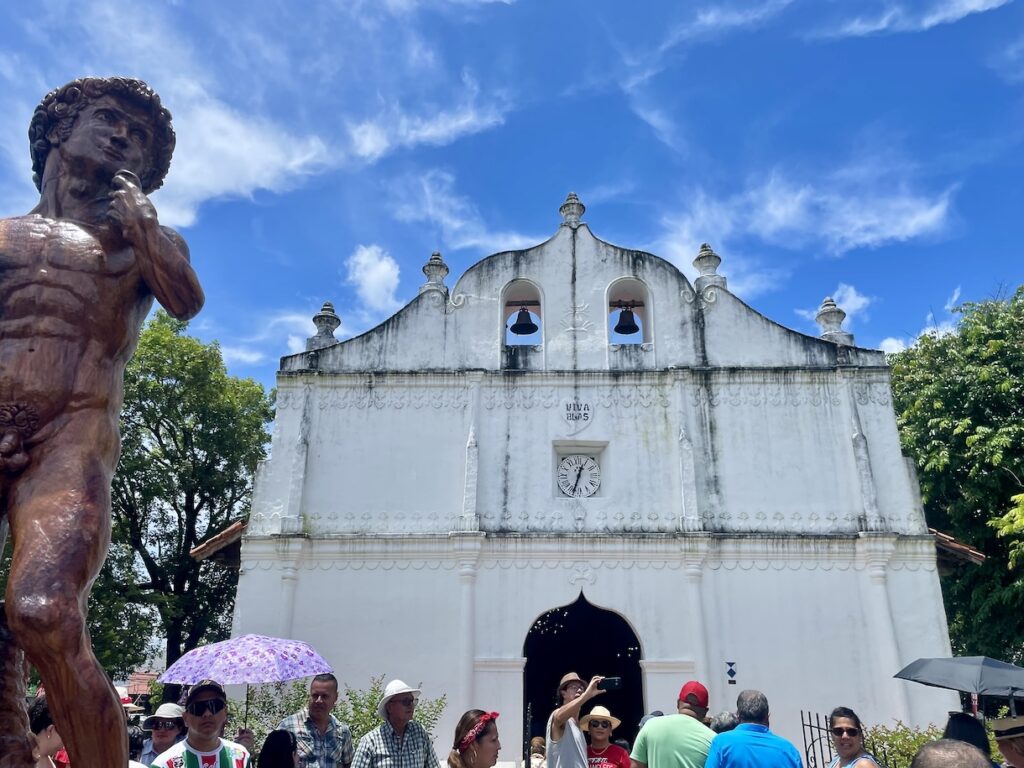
476, 741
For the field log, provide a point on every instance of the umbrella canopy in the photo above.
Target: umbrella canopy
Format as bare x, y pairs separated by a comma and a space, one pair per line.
247, 659
970, 674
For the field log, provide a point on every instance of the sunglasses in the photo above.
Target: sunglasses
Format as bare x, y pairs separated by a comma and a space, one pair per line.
408, 701
600, 724
840, 732
199, 708
164, 725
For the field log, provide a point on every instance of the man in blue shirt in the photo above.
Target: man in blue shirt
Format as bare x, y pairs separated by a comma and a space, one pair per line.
751, 744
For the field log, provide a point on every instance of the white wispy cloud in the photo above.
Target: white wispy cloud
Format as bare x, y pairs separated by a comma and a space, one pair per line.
1009, 62
665, 129
393, 128
722, 18
224, 153
431, 198
374, 273
907, 17
681, 237
849, 299
891, 345
933, 326
242, 355
602, 193
222, 150
951, 302
838, 212
642, 64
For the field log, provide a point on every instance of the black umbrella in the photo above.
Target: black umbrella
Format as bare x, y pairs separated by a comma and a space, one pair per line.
970, 674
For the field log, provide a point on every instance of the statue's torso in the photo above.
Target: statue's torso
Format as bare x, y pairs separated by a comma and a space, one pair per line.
70, 310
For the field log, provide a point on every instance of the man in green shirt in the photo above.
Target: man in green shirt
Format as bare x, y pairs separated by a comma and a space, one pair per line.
676, 741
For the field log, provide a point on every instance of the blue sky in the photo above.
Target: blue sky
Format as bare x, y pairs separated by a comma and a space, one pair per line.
872, 151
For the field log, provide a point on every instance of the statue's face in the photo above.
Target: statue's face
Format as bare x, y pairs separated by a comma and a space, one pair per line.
109, 135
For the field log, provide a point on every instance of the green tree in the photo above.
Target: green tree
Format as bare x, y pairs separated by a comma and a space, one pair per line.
960, 407
191, 437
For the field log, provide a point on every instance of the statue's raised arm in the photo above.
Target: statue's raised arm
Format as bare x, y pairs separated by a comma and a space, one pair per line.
78, 275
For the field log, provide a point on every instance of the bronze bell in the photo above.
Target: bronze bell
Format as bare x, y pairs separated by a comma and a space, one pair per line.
627, 323
523, 326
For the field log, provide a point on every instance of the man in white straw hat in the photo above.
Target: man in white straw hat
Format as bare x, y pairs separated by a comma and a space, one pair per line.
1009, 735
166, 727
398, 742
602, 753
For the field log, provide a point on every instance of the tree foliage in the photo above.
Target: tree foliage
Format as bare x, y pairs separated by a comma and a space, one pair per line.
960, 404
191, 437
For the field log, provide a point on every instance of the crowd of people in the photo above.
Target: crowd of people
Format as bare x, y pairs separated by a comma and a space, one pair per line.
691, 738
192, 736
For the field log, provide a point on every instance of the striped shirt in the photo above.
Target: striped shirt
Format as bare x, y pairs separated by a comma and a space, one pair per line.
183, 755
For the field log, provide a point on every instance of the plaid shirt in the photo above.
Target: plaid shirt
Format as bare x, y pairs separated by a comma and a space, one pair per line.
380, 748
331, 750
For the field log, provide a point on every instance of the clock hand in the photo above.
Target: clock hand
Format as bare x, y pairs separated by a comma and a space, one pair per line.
579, 474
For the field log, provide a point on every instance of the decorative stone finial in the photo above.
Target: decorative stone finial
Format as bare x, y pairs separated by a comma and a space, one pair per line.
572, 211
707, 262
830, 318
326, 322
436, 271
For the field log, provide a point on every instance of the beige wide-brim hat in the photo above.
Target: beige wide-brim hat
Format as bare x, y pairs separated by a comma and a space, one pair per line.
166, 711
571, 677
392, 689
1008, 728
599, 713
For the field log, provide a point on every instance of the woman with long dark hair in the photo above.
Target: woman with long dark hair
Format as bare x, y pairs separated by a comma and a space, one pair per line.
280, 750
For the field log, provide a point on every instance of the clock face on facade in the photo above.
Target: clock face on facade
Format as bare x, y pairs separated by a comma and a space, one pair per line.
579, 476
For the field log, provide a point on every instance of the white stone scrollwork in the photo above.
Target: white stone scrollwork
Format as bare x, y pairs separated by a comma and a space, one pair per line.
871, 393
582, 573
444, 302
575, 320
707, 295
381, 397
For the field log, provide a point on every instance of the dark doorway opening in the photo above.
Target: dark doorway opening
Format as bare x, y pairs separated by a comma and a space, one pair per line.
588, 640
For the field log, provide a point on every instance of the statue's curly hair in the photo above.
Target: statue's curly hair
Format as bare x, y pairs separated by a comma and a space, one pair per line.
57, 111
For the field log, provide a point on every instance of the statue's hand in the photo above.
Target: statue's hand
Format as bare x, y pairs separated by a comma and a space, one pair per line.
130, 208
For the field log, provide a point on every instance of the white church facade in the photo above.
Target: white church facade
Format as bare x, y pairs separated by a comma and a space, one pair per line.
646, 479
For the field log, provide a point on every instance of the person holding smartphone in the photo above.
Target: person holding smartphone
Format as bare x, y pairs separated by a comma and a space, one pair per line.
566, 747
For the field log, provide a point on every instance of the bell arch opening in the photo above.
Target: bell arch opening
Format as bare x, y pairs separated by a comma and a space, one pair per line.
522, 314
582, 638
629, 312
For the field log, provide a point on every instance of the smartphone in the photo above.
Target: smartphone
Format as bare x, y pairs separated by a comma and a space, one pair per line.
610, 684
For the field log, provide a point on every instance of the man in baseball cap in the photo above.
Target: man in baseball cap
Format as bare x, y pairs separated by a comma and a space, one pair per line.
166, 727
680, 740
206, 713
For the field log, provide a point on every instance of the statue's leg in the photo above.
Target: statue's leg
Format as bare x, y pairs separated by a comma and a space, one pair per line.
59, 512
15, 750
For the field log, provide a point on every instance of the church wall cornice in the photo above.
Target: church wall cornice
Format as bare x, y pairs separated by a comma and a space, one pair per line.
585, 554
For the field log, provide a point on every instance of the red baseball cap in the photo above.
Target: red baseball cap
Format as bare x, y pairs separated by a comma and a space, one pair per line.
698, 691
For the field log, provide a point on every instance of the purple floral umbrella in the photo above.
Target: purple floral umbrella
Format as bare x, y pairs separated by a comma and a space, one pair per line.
248, 659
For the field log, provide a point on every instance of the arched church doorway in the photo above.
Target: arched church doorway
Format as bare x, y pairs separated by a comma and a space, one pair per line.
588, 640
